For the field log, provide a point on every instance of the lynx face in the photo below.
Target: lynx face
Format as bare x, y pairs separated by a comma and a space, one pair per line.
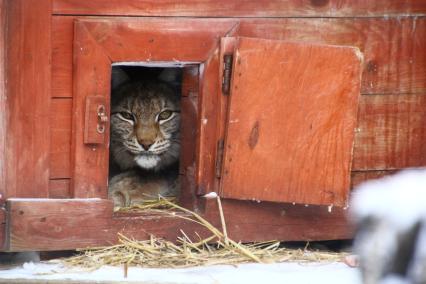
145, 125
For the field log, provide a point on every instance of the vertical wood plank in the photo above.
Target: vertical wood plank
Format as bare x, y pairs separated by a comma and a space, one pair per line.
3, 109
92, 74
60, 138
28, 98
62, 38
206, 148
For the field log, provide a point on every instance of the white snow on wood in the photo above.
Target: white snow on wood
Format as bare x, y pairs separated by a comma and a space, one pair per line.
210, 195
315, 273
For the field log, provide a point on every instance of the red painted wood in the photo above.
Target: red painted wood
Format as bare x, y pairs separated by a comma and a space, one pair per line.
240, 8
125, 39
290, 127
391, 132
67, 224
3, 97
59, 188
393, 48
387, 72
98, 43
60, 137
359, 177
62, 43
26, 162
92, 73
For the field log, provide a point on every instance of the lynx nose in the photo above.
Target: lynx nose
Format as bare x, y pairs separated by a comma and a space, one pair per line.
145, 144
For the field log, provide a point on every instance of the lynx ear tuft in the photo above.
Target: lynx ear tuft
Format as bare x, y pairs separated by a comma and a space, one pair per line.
118, 77
169, 75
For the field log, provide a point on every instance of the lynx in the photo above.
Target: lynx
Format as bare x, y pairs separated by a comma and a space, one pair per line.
145, 141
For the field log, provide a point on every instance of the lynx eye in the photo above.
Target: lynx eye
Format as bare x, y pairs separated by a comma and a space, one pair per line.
127, 115
165, 115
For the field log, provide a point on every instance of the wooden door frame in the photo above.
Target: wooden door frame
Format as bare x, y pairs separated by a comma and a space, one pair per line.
100, 42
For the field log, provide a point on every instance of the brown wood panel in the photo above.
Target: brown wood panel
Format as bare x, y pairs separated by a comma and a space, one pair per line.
242, 8
150, 40
28, 98
395, 61
68, 224
391, 132
393, 48
62, 37
59, 188
290, 126
60, 138
3, 108
380, 135
359, 177
208, 137
254, 221
92, 75
59, 224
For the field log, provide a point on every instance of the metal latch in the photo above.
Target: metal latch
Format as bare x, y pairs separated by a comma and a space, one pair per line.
95, 120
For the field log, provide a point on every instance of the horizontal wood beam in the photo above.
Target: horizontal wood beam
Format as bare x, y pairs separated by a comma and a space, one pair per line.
61, 224
242, 8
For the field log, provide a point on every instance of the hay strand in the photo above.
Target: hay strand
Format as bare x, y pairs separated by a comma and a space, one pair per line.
215, 249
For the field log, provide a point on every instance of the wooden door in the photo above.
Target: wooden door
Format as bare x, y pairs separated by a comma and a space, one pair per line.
290, 124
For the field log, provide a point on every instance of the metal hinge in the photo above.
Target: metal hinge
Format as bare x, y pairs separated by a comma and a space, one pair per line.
227, 71
219, 157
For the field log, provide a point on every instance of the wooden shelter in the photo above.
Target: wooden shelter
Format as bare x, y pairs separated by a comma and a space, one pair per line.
286, 104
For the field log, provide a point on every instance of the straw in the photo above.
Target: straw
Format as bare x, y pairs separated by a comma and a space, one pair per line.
215, 249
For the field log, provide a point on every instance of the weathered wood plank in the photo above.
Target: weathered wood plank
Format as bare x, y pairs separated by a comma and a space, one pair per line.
393, 48
391, 132
358, 177
92, 73
394, 61
60, 138
59, 188
67, 224
275, 221
3, 96
240, 8
28, 98
62, 37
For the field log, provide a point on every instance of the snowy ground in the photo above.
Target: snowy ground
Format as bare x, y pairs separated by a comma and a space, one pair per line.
315, 273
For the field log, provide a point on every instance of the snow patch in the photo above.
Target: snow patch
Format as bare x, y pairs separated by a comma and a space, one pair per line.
312, 273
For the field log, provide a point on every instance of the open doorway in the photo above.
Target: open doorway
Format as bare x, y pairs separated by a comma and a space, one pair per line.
145, 131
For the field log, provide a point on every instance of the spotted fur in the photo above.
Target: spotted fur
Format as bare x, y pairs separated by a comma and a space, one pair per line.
142, 134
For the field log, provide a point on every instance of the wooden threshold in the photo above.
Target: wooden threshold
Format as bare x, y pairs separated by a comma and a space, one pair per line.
63, 224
